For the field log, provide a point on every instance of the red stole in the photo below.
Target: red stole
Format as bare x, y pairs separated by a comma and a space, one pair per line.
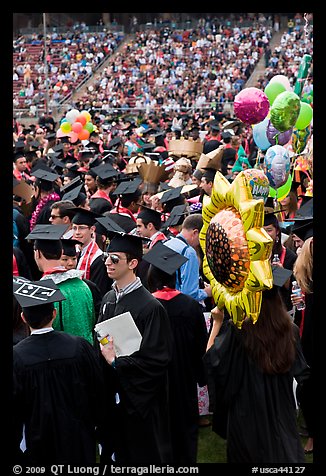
56, 269
15, 271
123, 211
102, 194
166, 294
282, 257
84, 264
159, 237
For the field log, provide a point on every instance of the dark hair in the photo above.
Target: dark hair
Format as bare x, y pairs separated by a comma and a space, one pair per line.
38, 316
157, 279
270, 342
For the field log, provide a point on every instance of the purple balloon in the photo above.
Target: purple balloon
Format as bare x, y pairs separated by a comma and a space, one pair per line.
275, 137
251, 105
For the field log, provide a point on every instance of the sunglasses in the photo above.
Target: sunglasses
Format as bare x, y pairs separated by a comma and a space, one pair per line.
113, 258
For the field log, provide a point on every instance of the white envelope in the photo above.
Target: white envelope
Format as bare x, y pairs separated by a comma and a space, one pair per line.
125, 333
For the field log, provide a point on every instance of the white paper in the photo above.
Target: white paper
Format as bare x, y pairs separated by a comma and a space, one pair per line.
125, 333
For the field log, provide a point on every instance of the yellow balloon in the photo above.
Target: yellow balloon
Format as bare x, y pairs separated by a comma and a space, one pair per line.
87, 115
236, 248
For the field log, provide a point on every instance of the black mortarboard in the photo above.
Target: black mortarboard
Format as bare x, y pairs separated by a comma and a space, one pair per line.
280, 275
147, 146
214, 125
19, 146
171, 194
47, 237
305, 210
56, 162
47, 232
45, 175
51, 136
177, 216
125, 243
110, 226
209, 174
84, 217
69, 246
164, 258
58, 148
72, 184
227, 134
115, 142
75, 195
35, 293
303, 228
105, 171
128, 187
34, 144
150, 215
86, 153
65, 140
94, 147
95, 161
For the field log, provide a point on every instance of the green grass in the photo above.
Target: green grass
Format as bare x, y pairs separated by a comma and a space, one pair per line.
212, 448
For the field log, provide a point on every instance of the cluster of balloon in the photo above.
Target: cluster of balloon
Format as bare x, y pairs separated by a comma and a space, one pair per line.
76, 125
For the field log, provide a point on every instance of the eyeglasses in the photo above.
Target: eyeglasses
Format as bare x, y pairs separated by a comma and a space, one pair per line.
114, 258
55, 216
80, 228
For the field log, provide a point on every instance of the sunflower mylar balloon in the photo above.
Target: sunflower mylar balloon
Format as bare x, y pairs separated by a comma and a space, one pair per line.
236, 247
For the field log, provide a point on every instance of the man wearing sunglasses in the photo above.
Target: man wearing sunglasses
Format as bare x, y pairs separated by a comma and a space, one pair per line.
137, 384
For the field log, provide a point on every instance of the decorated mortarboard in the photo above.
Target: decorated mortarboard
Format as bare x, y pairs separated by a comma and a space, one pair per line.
211, 159
45, 175
69, 246
109, 225
75, 195
23, 190
128, 187
280, 275
35, 293
164, 258
177, 216
126, 243
185, 148
82, 216
153, 173
105, 171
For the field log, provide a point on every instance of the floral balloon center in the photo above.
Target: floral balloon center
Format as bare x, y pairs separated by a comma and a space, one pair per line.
227, 249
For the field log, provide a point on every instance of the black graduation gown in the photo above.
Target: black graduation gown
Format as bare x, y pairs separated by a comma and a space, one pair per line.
139, 432
185, 371
260, 408
99, 275
57, 394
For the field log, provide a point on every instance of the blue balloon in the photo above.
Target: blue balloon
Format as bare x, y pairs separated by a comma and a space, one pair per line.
259, 132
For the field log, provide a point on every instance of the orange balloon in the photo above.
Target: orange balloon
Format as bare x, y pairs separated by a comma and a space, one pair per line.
82, 119
83, 135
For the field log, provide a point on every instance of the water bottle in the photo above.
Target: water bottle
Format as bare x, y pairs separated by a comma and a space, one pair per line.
276, 259
297, 291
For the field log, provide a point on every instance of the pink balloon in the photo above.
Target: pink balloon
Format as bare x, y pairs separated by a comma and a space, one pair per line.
251, 105
73, 136
77, 127
60, 133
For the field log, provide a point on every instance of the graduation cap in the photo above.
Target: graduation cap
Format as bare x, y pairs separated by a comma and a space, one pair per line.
227, 133
35, 293
65, 140
209, 174
44, 175
150, 216
115, 142
72, 184
109, 225
69, 246
306, 209
164, 258
47, 237
214, 125
75, 195
177, 216
58, 148
105, 172
23, 190
280, 275
129, 187
303, 228
19, 146
34, 144
147, 147
51, 136
56, 162
170, 194
83, 216
86, 153
126, 243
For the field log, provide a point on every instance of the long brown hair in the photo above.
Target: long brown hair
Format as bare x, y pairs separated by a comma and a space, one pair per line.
303, 267
270, 342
